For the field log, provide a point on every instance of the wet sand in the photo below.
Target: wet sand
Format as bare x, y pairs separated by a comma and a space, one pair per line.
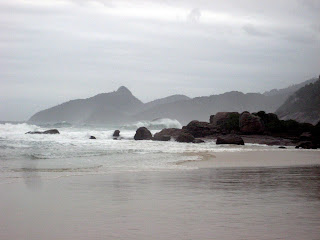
270, 158
251, 195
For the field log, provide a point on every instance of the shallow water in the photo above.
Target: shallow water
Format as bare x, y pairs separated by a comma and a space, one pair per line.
223, 203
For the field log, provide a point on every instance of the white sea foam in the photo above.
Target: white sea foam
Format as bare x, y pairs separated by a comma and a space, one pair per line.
72, 149
156, 124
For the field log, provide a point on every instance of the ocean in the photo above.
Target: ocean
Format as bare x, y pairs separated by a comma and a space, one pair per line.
73, 187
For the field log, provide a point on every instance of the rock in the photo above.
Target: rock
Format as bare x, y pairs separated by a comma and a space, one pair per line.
51, 131
162, 138
185, 137
225, 121
116, 133
307, 145
164, 133
92, 137
250, 124
282, 147
143, 133
230, 139
199, 129
197, 140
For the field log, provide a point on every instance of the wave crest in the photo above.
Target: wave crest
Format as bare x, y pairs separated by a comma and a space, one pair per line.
156, 124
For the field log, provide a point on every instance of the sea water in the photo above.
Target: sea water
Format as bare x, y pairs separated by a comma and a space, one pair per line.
72, 152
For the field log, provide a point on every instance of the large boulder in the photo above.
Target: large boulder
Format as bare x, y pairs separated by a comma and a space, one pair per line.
51, 131
225, 121
250, 124
143, 133
230, 139
199, 129
185, 137
167, 132
116, 133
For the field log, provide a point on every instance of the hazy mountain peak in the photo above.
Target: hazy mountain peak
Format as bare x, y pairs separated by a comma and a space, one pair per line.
123, 90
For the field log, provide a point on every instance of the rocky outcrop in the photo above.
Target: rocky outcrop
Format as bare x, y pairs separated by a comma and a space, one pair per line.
143, 133
199, 129
92, 137
185, 137
51, 131
250, 124
168, 132
230, 139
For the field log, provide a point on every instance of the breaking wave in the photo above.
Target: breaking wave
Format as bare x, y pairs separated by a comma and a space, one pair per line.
156, 124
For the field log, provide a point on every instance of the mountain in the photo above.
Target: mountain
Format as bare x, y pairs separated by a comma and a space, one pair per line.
201, 108
289, 90
303, 105
121, 106
166, 100
103, 108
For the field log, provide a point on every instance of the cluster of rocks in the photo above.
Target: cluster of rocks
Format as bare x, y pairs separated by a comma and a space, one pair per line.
234, 128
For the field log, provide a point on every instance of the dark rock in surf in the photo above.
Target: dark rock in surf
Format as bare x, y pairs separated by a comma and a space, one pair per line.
307, 145
116, 133
51, 131
185, 137
230, 139
143, 133
282, 147
171, 132
197, 140
92, 137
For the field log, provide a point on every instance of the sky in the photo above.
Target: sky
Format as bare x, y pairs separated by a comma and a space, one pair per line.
52, 51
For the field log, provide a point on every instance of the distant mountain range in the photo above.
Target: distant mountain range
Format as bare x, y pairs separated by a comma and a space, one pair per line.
303, 105
122, 106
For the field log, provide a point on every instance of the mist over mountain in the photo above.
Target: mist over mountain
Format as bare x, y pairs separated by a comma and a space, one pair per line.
289, 90
122, 106
303, 105
201, 108
102, 108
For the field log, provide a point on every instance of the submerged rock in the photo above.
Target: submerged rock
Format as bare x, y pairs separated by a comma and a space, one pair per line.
162, 138
143, 133
197, 140
185, 137
230, 139
51, 131
164, 133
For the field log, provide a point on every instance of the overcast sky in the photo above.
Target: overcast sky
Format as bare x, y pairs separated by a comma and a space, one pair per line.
55, 51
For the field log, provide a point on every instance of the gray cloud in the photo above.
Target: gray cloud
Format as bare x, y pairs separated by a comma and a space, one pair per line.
81, 49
